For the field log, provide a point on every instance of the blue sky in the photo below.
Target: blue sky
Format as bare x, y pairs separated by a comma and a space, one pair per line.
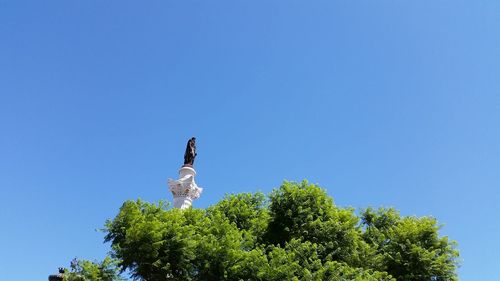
383, 103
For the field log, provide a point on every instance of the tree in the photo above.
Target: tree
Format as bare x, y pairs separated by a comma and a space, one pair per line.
410, 248
297, 233
84, 270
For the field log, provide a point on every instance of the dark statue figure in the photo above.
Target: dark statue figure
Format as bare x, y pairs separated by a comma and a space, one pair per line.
190, 153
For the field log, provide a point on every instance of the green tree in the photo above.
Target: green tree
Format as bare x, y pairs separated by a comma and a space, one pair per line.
84, 270
410, 247
297, 233
304, 211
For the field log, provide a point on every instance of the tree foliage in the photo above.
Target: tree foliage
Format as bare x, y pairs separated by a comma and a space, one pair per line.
297, 233
84, 270
409, 247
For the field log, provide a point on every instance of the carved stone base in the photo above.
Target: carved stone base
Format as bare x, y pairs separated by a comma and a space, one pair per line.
184, 189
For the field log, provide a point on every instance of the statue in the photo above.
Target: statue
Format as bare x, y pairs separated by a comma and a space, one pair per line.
190, 153
185, 189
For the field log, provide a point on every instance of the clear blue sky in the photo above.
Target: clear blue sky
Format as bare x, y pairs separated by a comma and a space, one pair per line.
383, 103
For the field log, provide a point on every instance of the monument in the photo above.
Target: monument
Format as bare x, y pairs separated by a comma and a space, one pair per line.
185, 189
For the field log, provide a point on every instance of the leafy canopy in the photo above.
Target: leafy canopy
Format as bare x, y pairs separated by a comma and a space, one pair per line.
84, 270
296, 233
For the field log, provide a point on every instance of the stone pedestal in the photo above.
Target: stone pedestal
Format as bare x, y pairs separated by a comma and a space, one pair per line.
184, 189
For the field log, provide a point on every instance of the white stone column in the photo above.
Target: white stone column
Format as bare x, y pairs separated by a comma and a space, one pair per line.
184, 189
